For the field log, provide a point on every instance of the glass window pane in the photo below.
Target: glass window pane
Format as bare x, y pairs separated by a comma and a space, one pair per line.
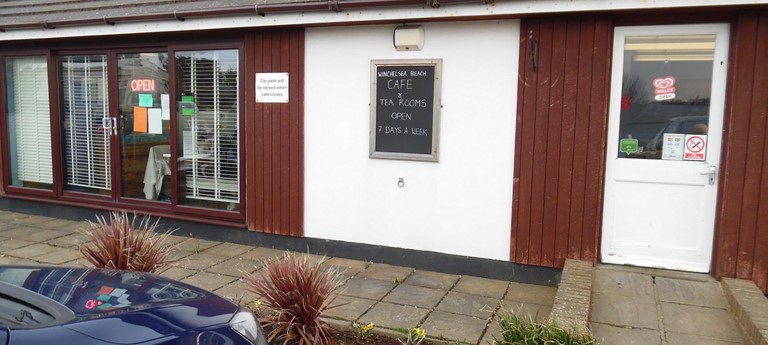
29, 122
144, 117
666, 90
86, 123
208, 121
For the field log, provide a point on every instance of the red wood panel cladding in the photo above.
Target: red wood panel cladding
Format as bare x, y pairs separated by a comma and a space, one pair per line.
562, 118
274, 135
742, 225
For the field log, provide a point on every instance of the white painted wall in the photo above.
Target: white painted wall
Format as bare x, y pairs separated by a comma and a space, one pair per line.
460, 205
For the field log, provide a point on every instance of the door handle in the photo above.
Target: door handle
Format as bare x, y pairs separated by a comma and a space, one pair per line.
109, 124
105, 124
711, 172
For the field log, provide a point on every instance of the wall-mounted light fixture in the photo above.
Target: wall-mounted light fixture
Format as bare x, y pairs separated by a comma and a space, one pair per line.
668, 48
408, 37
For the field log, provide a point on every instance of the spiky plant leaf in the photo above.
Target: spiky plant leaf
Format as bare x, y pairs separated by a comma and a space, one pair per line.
123, 243
297, 292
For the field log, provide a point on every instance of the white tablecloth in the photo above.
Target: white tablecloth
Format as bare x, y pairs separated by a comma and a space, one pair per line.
157, 168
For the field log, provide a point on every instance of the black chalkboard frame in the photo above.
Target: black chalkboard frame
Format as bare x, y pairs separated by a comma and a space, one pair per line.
434, 152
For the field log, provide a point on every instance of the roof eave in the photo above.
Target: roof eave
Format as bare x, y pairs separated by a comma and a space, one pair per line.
262, 9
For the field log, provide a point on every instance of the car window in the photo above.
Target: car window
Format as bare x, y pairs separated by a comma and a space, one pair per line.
22, 308
15, 313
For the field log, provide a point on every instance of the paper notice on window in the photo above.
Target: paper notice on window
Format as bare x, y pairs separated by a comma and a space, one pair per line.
155, 120
140, 119
165, 105
146, 100
188, 143
673, 147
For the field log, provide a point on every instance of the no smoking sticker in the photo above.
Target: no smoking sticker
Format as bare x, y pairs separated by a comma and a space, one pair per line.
695, 147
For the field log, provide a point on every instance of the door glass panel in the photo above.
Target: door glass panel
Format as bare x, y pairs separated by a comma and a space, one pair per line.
144, 125
29, 122
208, 119
665, 95
86, 123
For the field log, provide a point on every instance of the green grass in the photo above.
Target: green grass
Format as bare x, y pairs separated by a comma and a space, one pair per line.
520, 331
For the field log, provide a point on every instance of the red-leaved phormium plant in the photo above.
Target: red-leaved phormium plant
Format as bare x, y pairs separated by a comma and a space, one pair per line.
126, 244
295, 292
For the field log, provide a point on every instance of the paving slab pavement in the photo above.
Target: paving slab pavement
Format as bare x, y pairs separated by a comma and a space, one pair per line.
628, 305
453, 308
647, 306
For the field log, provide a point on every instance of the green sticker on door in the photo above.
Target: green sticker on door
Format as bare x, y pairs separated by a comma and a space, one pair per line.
628, 145
187, 105
146, 100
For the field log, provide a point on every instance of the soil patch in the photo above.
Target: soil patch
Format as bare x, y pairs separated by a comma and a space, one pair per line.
347, 337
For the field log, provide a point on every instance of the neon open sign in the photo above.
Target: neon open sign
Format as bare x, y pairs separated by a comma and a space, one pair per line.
142, 85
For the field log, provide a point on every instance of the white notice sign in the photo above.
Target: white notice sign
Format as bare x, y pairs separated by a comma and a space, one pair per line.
272, 87
673, 146
165, 106
695, 147
155, 120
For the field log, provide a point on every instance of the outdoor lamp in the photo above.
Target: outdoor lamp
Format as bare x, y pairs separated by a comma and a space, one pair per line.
408, 37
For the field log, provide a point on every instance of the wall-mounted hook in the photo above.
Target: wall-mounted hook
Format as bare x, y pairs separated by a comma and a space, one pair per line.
400, 182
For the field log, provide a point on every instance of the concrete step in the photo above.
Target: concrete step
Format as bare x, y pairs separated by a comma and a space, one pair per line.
750, 307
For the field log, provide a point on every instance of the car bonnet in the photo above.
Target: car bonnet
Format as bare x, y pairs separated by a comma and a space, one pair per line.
122, 306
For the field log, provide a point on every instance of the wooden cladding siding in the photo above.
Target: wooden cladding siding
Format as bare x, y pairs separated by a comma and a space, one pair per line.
742, 225
274, 135
560, 140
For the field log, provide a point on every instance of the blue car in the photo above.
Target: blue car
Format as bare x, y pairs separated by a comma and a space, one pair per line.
55, 305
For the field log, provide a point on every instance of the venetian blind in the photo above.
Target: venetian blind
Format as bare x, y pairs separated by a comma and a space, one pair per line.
211, 136
85, 107
29, 111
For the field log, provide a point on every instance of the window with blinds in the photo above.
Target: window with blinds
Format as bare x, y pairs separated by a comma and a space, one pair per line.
29, 121
85, 110
208, 116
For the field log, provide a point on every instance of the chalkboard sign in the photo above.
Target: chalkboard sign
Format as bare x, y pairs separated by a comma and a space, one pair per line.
405, 109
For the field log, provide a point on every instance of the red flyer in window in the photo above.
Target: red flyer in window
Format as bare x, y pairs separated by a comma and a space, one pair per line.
664, 88
624, 102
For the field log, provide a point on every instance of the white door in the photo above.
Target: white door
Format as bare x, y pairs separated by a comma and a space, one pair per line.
664, 136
